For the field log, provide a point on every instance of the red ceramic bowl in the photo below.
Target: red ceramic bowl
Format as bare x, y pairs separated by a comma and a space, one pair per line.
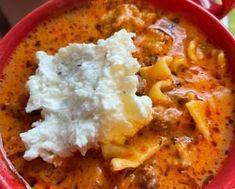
204, 19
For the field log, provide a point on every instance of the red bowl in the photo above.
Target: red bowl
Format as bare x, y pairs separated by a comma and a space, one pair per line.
202, 18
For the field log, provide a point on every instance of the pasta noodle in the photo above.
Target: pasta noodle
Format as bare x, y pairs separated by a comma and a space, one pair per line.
221, 60
191, 96
133, 154
220, 56
197, 109
178, 63
158, 71
192, 51
156, 93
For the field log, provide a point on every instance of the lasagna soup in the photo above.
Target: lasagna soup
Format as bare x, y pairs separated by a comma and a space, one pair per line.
177, 122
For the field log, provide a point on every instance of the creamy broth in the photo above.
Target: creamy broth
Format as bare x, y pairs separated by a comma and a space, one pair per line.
191, 165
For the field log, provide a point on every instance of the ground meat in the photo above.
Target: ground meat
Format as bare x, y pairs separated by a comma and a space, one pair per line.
153, 43
149, 61
184, 139
177, 34
165, 117
183, 95
129, 17
126, 16
147, 177
176, 81
181, 144
142, 86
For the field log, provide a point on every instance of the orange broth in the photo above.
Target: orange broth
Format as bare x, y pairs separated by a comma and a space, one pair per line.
84, 24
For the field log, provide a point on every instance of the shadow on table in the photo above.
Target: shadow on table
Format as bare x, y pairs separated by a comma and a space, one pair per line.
4, 25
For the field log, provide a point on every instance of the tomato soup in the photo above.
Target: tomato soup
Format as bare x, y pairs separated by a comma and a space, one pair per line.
193, 99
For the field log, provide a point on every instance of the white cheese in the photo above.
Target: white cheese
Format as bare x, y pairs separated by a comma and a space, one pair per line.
87, 96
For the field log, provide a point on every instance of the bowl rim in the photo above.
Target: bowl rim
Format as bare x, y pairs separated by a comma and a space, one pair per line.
226, 175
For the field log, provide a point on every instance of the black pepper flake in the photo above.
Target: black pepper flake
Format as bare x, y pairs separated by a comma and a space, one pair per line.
231, 121
91, 39
37, 44
98, 27
28, 64
177, 83
2, 107
217, 76
208, 179
214, 143
192, 126
150, 60
174, 73
32, 182
171, 26
2, 77
61, 180
51, 49
108, 6
129, 172
216, 129
167, 147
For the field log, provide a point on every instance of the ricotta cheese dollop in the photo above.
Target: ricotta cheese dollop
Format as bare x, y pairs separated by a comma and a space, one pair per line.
86, 94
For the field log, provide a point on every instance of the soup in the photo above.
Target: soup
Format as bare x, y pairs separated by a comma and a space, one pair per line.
181, 71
